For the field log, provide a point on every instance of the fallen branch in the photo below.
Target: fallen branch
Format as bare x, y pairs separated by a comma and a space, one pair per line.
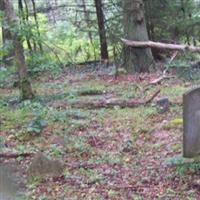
155, 82
159, 45
108, 104
152, 97
15, 155
92, 92
159, 80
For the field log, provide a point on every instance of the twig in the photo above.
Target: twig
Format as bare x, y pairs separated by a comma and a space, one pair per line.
170, 61
152, 97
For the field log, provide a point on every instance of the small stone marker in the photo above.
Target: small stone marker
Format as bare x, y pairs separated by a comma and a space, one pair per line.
44, 167
162, 104
191, 123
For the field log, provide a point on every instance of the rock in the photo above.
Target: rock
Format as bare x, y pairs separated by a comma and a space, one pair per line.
163, 104
43, 167
127, 146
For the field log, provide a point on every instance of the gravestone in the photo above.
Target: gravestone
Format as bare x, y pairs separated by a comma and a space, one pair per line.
191, 123
8, 184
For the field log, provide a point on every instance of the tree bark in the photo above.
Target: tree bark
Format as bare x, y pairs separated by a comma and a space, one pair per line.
24, 83
7, 38
102, 30
136, 60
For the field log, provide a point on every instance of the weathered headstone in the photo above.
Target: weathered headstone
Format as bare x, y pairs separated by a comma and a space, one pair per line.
191, 123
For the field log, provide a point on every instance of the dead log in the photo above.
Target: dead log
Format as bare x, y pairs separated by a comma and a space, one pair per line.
15, 155
106, 104
113, 103
159, 45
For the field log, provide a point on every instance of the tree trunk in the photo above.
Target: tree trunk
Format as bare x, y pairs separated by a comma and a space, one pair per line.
102, 30
24, 83
37, 24
24, 17
136, 60
7, 39
87, 21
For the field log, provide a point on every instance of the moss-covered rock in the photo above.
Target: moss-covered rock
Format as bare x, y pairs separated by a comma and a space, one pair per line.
175, 123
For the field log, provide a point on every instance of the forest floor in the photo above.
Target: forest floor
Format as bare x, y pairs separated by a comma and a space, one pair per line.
108, 153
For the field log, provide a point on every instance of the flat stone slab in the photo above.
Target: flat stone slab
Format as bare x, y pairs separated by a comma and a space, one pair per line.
191, 123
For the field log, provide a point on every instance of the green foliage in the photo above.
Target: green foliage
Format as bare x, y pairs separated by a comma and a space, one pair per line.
32, 105
43, 197
76, 145
6, 77
184, 165
137, 197
173, 92
91, 175
65, 116
78, 48
5, 49
36, 125
185, 69
106, 158
33, 182
91, 90
192, 167
55, 151
58, 116
182, 16
25, 31
42, 62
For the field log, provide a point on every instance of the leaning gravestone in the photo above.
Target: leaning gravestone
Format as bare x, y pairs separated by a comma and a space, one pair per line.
191, 123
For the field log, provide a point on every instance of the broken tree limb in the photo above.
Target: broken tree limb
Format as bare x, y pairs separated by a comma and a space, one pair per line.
159, 45
15, 155
159, 80
173, 57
